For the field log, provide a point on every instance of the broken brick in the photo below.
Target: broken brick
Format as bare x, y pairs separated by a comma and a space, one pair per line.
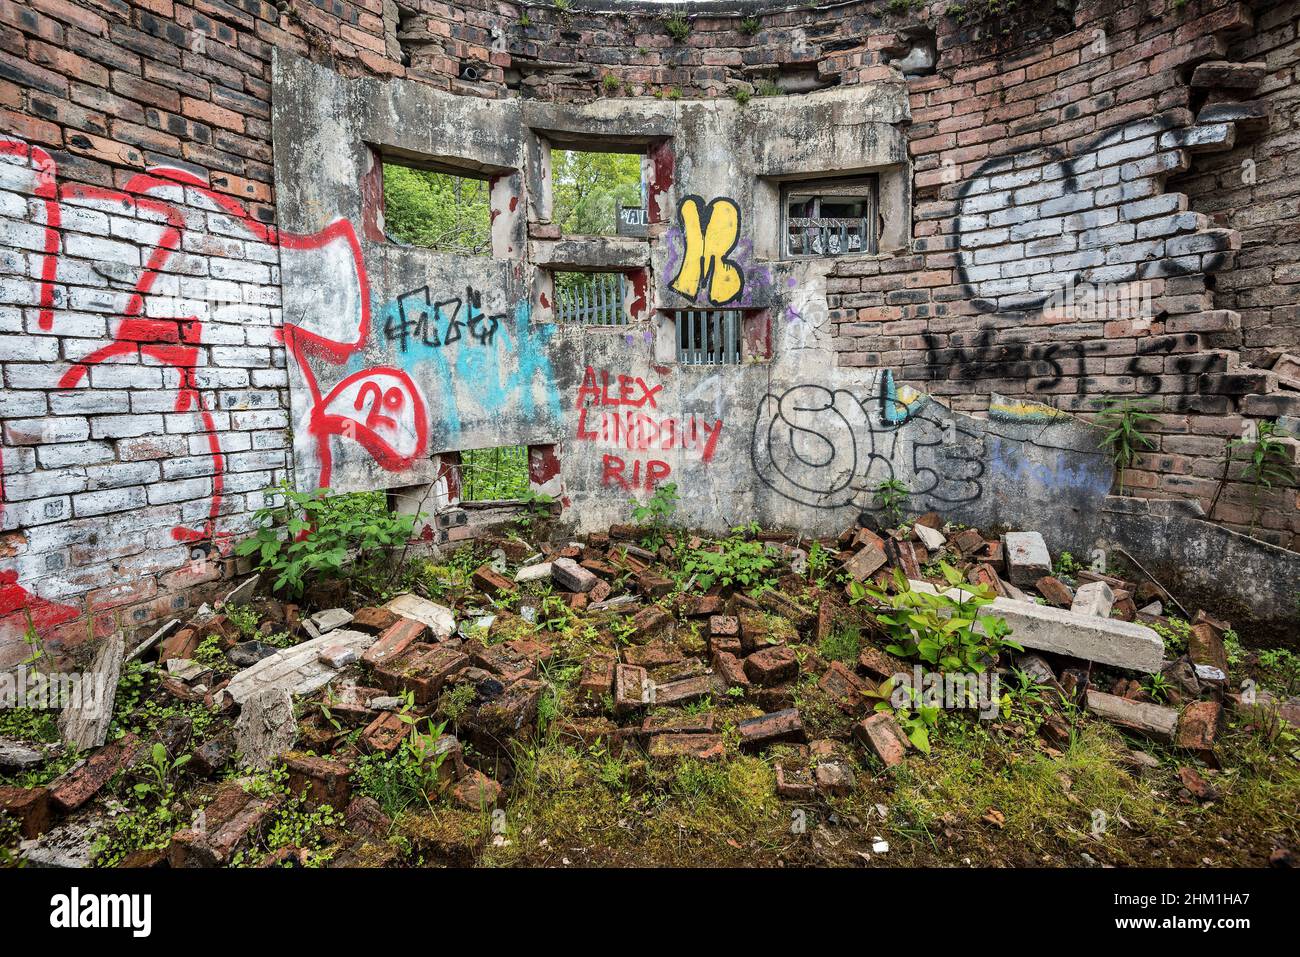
652, 585
394, 641
968, 541
724, 625
794, 783
701, 747
506, 715
772, 728
772, 666
568, 575
653, 654
322, 780
1056, 592
422, 671
731, 669
1198, 728
650, 621
491, 582
631, 688
83, 781
879, 665
504, 660
844, 687
476, 791
30, 807
597, 677
865, 563
385, 733
181, 645
881, 734
231, 822
684, 690
373, 621
835, 777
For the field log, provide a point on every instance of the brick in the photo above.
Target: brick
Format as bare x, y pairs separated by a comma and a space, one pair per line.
772, 666
865, 563
394, 641
83, 781
883, 737
701, 747
1198, 729
385, 734
632, 688
422, 670
773, 728
30, 807
570, 576
731, 669
322, 781
491, 582
1055, 591
844, 687
597, 678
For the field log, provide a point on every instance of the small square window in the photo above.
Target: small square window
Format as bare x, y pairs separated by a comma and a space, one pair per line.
590, 298
829, 218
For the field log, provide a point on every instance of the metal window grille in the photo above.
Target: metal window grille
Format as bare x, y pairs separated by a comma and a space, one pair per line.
593, 299
830, 219
708, 337
488, 475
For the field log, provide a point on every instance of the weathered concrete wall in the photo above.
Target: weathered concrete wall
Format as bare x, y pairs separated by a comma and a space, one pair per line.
788, 437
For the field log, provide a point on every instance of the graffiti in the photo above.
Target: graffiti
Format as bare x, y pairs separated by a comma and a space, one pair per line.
437, 324
1056, 223
823, 448
710, 234
614, 412
381, 410
1044, 367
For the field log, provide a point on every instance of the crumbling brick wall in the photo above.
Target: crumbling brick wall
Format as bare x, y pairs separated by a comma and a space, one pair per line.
145, 395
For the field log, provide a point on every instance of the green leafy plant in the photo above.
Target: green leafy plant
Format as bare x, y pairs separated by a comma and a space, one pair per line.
843, 645
944, 630
537, 506
768, 87
1124, 420
819, 563
1269, 463
735, 560
1066, 565
742, 95
1158, 687
313, 532
1175, 633
611, 83
750, 26
657, 511
889, 496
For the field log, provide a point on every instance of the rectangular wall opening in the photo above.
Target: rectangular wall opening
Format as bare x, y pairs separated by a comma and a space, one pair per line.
709, 336
493, 475
828, 218
447, 212
590, 298
597, 194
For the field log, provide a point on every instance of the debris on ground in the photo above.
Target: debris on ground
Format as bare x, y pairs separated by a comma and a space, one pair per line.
373, 726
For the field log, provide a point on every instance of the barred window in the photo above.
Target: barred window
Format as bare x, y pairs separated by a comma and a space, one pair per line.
829, 218
708, 336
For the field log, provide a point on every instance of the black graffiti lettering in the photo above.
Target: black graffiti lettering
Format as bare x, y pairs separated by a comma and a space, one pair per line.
436, 325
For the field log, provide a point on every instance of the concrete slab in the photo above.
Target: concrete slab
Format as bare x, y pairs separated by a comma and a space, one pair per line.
297, 670
440, 619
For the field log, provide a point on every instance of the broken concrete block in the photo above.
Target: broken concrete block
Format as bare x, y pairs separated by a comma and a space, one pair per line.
266, 727
533, 573
883, 736
329, 619
83, 724
778, 726
16, 756
1152, 720
931, 538
568, 575
1027, 557
338, 657
1123, 644
297, 670
439, 619
1095, 599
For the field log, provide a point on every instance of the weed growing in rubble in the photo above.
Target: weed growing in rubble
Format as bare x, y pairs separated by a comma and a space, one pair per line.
944, 630
889, 496
316, 532
1066, 566
408, 777
148, 823
1269, 463
733, 561
843, 645
1281, 669
1125, 440
1158, 687
819, 564
1175, 634
657, 511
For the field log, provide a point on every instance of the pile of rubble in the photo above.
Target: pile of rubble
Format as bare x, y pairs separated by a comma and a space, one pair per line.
655, 661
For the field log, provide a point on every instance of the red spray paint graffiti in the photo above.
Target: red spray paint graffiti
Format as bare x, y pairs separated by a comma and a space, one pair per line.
614, 412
